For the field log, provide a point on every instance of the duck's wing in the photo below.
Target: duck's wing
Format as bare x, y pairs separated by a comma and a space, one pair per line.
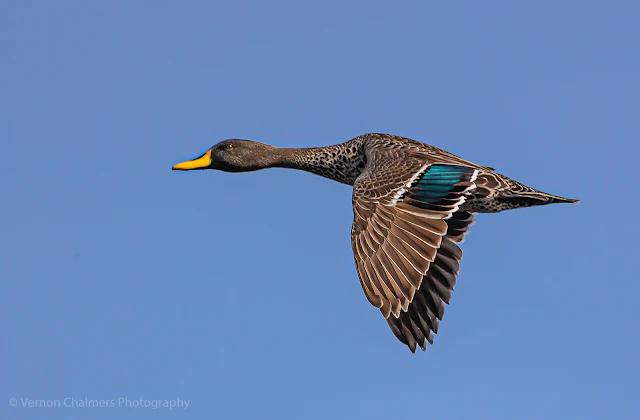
416, 324
404, 237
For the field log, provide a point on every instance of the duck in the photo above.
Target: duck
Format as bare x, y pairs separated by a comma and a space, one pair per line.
413, 204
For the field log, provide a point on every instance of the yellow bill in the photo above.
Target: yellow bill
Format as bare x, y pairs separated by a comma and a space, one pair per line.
199, 163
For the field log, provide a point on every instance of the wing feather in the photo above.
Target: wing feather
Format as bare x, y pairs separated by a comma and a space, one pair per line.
405, 233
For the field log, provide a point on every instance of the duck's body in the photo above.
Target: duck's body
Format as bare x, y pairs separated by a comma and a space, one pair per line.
413, 204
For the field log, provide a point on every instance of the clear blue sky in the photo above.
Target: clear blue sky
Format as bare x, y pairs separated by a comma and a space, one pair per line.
238, 292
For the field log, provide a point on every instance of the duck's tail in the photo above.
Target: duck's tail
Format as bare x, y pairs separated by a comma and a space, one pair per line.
497, 193
529, 199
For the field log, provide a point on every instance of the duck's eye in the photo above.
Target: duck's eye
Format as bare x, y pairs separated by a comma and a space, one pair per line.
226, 146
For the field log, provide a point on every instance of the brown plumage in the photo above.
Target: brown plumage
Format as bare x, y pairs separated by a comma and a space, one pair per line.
413, 204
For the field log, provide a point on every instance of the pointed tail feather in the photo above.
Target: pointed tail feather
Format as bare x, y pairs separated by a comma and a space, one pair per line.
510, 199
495, 192
564, 200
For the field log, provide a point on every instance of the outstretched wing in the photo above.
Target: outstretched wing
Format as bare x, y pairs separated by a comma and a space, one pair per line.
404, 234
415, 325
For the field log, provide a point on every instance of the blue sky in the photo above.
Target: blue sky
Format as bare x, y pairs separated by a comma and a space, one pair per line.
238, 292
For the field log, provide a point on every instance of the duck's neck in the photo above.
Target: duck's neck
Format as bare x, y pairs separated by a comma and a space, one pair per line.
341, 162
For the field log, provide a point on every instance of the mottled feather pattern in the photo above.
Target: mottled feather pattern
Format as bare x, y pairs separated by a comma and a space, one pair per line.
342, 162
413, 204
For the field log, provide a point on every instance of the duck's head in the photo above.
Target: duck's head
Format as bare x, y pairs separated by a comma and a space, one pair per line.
232, 156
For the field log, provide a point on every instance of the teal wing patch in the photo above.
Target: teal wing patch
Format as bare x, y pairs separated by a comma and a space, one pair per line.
441, 187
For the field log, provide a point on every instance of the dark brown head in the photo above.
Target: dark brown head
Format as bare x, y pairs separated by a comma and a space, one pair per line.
233, 156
